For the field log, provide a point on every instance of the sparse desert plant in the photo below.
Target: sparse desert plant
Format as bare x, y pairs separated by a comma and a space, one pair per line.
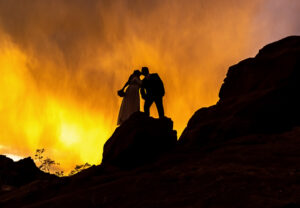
79, 168
59, 173
45, 163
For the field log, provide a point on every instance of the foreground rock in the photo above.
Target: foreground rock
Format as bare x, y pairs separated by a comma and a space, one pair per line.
259, 95
16, 174
139, 140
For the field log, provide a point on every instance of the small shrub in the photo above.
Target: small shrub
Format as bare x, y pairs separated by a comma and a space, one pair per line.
46, 164
79, 168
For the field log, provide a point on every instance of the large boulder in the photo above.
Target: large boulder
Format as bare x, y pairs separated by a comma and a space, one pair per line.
259, 95
139, 140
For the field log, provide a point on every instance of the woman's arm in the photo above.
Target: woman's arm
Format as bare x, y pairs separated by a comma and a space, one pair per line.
127, 83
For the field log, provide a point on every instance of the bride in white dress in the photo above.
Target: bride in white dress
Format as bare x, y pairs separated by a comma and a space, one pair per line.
131, 97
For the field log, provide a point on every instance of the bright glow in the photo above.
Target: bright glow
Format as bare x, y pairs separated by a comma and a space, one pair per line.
41, 120
69, 134
14, 157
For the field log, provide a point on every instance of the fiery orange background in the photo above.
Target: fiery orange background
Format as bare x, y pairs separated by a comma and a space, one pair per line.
61, 63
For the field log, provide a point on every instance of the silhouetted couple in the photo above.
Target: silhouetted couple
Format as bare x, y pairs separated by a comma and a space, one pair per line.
152, 91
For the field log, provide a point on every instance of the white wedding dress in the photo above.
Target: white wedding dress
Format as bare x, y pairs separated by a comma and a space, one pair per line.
131, 100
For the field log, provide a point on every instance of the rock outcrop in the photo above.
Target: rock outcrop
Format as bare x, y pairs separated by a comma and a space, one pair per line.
19, 173
259, 95
139, 140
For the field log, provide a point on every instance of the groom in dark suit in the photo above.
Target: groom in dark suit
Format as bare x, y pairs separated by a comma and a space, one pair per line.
152, 90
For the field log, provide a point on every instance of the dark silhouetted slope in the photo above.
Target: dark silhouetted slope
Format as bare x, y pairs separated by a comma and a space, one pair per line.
259, 95
16, 174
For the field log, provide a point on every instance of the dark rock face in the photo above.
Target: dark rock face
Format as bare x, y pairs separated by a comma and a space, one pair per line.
19, 173
259, 95
139, 140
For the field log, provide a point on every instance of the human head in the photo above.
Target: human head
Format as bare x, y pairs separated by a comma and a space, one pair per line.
145, 70
137, 73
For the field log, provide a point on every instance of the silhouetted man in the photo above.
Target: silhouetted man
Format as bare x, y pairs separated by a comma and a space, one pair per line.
152, 90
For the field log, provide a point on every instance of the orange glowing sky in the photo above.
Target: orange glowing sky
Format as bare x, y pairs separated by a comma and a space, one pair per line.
61, 63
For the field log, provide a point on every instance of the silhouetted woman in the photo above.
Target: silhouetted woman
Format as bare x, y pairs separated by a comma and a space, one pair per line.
131, 97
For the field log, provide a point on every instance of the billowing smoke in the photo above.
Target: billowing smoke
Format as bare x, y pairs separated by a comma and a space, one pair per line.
62, 61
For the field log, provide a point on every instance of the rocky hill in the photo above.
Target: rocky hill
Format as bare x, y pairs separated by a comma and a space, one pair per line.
17, 174
259, 95
242, 152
